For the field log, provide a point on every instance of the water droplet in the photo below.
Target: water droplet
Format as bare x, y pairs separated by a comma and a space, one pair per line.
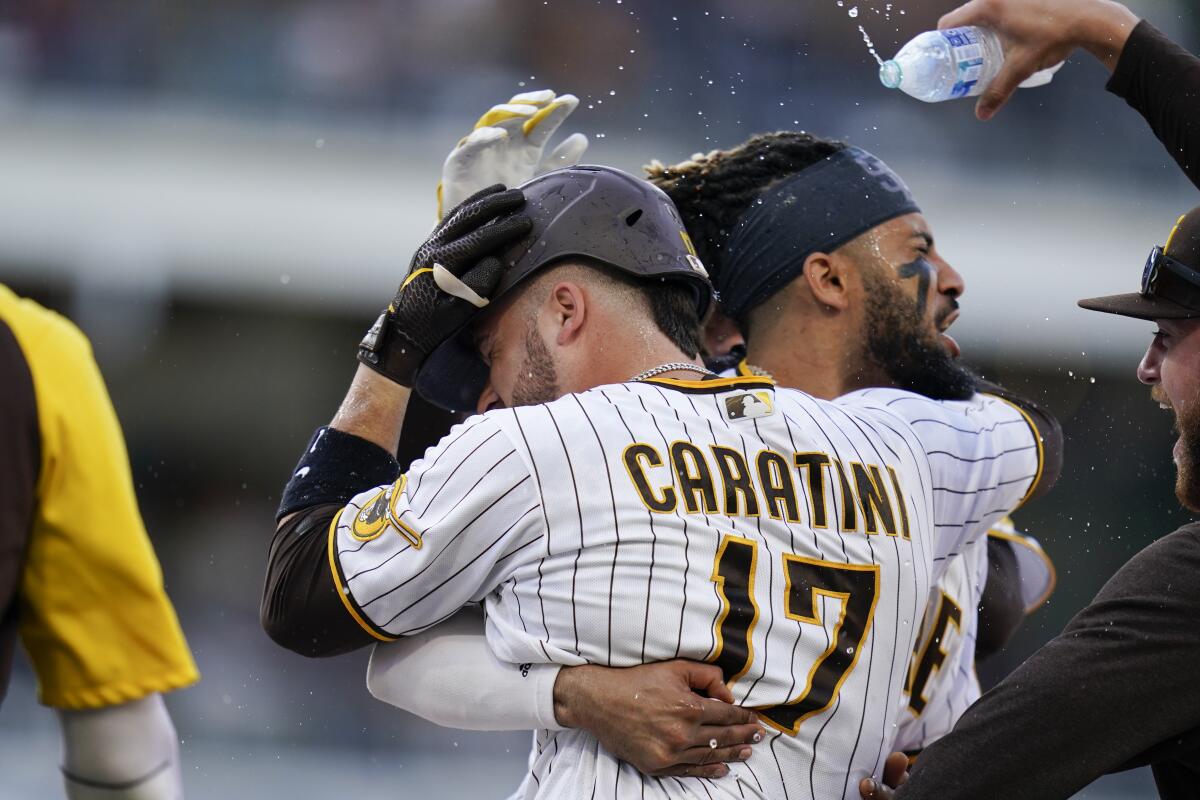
853, 12
870, 45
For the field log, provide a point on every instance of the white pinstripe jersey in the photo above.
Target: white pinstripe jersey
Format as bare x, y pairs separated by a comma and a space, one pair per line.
942, 682
790, 540
942, 671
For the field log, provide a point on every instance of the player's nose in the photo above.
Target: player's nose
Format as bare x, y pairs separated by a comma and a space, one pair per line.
1148, 368
949, 281
489, 398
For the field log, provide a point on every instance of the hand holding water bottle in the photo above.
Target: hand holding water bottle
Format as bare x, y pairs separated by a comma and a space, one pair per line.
1037, 34
952, 63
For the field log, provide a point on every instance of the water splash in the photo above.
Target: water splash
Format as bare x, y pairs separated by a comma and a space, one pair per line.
870, 45
853, 12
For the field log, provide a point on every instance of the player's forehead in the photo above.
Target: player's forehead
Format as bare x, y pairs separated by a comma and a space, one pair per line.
888, 247
903, 232
1178, 327
908, 227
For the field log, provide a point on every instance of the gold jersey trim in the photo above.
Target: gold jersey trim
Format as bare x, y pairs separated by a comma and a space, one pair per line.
343, 592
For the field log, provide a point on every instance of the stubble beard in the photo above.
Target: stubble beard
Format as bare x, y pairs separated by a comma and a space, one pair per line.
1187, 425
538, 381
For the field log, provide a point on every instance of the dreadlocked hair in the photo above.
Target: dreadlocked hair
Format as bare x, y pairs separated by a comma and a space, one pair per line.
712, 190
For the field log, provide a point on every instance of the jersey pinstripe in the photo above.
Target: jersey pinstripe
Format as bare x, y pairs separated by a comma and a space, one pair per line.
941, 681
790, 540
942, 671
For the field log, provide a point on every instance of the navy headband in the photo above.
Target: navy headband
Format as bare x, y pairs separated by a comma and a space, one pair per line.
816, 210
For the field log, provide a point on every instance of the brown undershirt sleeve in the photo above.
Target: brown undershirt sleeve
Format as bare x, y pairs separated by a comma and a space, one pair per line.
20, 464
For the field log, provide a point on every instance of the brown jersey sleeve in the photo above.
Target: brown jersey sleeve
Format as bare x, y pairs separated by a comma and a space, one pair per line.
1161, 81
1117, 687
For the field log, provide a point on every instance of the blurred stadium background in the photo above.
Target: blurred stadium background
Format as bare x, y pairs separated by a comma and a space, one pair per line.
223, 194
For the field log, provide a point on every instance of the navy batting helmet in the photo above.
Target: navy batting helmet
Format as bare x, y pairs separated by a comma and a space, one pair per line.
597, 213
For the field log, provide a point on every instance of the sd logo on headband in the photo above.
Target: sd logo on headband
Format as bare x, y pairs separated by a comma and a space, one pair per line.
886, 179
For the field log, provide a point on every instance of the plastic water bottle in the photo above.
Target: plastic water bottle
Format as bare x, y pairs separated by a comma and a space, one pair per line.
956, 62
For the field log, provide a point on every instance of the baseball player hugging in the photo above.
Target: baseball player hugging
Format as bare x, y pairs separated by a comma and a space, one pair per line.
627, 505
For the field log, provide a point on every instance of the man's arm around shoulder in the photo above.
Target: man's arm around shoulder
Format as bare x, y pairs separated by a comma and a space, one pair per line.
1116, 682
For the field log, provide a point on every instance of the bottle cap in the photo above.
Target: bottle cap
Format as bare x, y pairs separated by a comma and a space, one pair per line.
890, 74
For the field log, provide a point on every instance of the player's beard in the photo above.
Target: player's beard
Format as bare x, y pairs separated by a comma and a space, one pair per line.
538, 381
1187, 425
900, 344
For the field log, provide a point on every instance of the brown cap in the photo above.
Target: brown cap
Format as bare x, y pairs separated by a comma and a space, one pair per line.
1170, 281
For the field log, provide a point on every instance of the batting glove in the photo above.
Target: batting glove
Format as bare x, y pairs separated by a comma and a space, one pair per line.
507, 146
449, 279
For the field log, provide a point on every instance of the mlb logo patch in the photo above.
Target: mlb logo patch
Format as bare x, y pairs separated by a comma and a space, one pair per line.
749, 405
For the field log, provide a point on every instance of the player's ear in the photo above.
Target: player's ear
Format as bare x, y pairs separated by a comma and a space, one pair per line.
827, 279
569, 304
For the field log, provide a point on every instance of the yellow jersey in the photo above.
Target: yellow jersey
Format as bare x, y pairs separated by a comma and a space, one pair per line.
79, 581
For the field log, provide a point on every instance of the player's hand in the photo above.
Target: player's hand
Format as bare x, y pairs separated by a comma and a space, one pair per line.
508, 146
1038, 34
895, 774
448, 281
655, 717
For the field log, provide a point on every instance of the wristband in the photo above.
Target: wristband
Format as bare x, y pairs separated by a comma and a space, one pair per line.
336, 466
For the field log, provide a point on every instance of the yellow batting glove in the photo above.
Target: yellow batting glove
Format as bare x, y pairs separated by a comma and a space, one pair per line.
508, 146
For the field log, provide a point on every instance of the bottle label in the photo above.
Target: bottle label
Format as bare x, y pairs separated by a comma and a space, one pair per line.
968, 54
